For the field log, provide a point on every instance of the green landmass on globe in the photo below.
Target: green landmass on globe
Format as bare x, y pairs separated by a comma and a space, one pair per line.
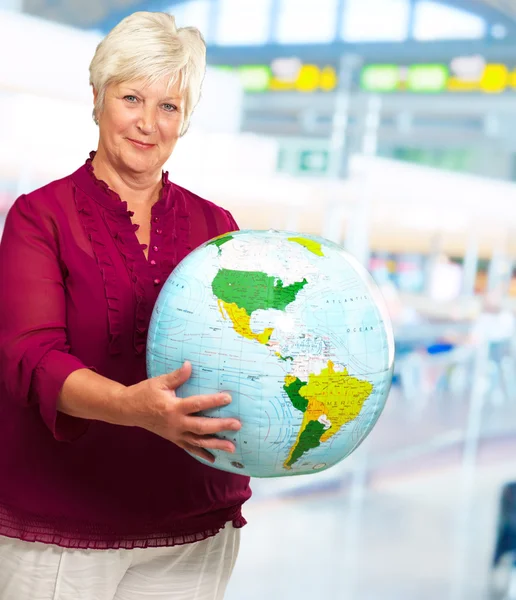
241, 293
220, 240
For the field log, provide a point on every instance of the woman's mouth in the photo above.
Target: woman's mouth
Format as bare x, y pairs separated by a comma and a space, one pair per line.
141, 145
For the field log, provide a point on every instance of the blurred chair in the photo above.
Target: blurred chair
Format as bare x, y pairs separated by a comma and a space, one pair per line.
503, 579
433, 371
496, 327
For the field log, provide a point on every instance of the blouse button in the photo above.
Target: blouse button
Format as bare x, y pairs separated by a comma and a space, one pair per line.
159, 231
156, 219
153, 262
157, 281
155, 248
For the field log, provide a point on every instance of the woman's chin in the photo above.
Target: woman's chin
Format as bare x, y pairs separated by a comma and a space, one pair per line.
140, 164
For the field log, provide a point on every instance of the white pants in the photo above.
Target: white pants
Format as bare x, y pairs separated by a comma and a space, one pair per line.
198, 571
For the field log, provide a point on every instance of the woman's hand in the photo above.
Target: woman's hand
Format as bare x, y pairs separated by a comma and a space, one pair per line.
153, 405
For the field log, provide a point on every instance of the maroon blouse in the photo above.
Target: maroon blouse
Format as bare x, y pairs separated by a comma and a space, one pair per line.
76, 291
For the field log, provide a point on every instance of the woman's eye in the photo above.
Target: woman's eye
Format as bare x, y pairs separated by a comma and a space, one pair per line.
170, 107
131, 99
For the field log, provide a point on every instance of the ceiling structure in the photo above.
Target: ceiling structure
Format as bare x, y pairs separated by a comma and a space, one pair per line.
504, 7
89, 14
101, 14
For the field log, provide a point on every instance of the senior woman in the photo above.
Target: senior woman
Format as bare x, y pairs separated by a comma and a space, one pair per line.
98, 498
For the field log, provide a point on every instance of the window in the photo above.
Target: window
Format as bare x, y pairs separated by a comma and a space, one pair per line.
195, 13
243, 23
376, 20
434, 21
306, 21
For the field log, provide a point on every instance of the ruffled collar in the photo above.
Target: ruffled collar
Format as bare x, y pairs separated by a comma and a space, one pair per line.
172, 210
111, 200
99, 207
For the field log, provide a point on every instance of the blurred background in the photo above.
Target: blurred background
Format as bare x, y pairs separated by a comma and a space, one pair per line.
388, 126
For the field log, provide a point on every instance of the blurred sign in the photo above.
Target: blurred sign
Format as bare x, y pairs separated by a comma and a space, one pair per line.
462, 160
255, 78
427, 78
286, 75
303, 156
381, 78
462, 74
313, 161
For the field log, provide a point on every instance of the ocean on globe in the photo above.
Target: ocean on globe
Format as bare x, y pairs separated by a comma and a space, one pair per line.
295, 329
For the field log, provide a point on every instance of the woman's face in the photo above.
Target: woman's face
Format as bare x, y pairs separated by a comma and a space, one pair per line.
140, 124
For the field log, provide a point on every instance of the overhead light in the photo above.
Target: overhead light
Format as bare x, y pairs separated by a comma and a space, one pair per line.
286, 69
468, 68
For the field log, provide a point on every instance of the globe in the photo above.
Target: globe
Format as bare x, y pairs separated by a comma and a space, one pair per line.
295, 329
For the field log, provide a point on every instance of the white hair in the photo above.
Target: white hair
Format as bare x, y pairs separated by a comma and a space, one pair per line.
148, 45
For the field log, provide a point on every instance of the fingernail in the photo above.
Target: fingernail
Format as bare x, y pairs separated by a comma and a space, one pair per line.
235, 426
226, 399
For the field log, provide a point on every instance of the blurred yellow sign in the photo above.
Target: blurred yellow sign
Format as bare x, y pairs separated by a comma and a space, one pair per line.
308, 78
495, 79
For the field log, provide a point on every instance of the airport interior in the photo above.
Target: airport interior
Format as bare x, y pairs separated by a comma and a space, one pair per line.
389, 128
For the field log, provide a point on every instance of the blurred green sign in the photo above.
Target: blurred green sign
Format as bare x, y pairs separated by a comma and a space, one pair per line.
380, 78
255, 78
427, 78
415, 78
313, 161
296, 157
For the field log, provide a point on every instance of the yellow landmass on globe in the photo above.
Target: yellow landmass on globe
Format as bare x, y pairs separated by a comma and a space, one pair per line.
314, 247
242, 322
334, 399
289, 379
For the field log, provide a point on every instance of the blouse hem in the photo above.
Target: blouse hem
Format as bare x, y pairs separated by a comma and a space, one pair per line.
34, 530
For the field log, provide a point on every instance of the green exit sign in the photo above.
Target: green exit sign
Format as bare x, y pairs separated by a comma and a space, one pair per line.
313, 161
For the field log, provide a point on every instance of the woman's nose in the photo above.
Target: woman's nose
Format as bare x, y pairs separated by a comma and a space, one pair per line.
147, 122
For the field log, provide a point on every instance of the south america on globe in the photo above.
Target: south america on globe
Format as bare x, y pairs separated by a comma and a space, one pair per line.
295, 329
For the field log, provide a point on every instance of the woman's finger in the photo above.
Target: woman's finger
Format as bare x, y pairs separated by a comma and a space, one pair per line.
195, 404
210, 425
209, 442
200, 452
173, 380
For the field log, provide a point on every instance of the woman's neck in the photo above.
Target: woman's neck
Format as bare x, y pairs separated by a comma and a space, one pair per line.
134, 188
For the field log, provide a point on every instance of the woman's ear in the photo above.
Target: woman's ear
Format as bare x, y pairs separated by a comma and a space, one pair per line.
94, 113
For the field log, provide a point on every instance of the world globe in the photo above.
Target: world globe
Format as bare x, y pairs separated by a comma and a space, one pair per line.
295, 329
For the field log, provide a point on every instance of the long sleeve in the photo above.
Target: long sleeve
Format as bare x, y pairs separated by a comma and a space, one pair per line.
34, 353
233, 226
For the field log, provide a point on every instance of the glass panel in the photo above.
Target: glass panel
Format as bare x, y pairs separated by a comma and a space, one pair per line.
243, 23
195, 13
376, 20
307, 21
434, 21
